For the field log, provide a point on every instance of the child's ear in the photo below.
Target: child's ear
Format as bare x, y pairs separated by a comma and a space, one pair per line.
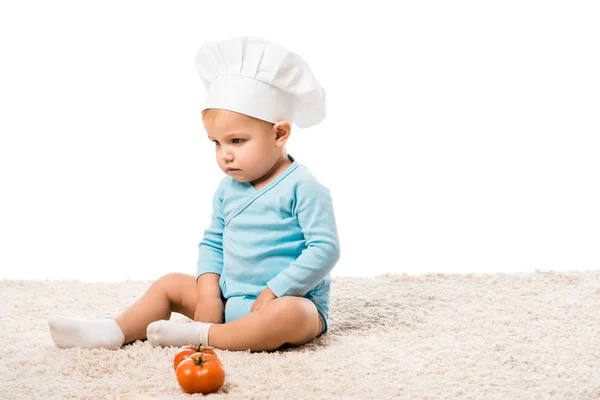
282, 131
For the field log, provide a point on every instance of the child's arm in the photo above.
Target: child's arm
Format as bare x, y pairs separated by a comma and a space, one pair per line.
314, 212
210, 265
210, 307
210, 255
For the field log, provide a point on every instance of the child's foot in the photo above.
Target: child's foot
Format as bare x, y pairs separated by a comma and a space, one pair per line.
169, 333
87, 334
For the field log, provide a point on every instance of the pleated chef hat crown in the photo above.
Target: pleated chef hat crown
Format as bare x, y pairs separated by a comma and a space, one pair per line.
261, 79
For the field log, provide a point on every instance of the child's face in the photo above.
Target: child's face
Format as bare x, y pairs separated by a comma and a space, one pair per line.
246, 148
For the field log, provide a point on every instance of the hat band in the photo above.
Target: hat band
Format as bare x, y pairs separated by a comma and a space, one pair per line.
251, 97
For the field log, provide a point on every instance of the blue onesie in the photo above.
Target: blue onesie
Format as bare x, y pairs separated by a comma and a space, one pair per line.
283, 236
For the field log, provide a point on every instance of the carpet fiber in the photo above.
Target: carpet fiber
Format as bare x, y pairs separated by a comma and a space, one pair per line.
475, 336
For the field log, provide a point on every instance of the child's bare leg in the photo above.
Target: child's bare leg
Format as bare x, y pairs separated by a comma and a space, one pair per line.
171, 293
291, 320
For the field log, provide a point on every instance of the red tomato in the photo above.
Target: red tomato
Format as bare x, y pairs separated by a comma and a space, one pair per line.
199, 348
200, 373
186, 351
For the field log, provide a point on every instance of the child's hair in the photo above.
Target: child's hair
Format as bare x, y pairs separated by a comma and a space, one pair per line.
211, 114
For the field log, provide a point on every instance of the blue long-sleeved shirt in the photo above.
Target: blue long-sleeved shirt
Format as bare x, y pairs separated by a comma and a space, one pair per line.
283, 236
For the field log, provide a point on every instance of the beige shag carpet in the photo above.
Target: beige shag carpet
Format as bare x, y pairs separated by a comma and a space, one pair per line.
464, 336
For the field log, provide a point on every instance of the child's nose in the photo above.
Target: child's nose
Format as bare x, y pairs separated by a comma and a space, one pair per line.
226, 155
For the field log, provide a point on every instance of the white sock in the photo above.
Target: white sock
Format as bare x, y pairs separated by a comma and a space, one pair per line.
86, 333
170, 333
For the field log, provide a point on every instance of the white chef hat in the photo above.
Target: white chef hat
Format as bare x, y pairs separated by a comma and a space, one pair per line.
261, 79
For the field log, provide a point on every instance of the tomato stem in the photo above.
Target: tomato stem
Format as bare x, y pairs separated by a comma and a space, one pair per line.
199, 361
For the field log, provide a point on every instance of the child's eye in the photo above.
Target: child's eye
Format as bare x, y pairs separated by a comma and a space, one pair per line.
236, 141
215, 142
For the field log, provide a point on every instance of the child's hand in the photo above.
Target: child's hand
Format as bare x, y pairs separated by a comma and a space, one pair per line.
209, 309
265, 297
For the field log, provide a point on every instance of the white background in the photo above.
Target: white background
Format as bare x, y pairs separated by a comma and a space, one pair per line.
460, 136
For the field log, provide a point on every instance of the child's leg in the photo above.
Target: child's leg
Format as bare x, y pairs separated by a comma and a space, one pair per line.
172, 292
291, 320
285, 320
